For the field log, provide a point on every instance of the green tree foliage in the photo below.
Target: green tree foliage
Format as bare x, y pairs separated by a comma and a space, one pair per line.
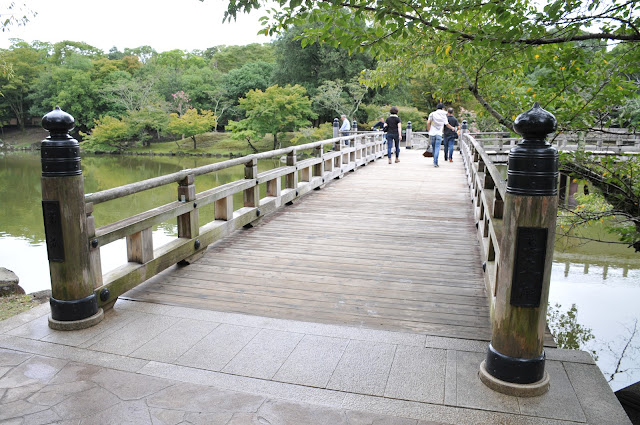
238, 82
192, 123
618, 199
23, 65
488, 51
340, 97
109, 134
227, 58
252, 76
312, 65
275, 110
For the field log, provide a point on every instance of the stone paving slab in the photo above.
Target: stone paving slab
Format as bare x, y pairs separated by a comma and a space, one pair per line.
156, 364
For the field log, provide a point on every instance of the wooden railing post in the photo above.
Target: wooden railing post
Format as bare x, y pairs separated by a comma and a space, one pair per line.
252, 195
73, 303
409, 142
291, 180
188, 224
336, 128
515, 358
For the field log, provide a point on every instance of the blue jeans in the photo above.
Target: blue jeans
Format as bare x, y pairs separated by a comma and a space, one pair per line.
435, 144
393, 138
448, 147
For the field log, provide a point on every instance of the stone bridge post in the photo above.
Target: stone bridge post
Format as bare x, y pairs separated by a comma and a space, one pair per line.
515, 358
73, 303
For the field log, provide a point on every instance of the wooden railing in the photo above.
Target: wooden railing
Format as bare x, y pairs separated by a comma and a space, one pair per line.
488, 191
145, 260
610, 141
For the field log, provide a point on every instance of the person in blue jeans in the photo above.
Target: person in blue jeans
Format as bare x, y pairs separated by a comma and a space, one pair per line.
393, 127
435, 125
449, 135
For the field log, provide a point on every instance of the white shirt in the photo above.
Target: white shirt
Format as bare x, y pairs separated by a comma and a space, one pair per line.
346, 125
438, 121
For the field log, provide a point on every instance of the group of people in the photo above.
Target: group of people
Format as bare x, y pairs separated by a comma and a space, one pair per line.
443, 128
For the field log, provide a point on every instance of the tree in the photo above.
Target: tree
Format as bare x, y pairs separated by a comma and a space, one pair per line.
237, 82
227, 58
276, 110
314, 64
192, 123
487, 51
618, 199
109, 133
23, 66
340, 97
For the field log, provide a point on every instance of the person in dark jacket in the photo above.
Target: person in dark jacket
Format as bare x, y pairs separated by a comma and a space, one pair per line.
450, 135
393, 125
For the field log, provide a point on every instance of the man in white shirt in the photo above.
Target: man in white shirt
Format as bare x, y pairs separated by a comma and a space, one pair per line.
346, 126
435, 125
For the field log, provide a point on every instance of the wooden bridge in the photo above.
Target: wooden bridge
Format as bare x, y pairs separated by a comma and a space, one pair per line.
387, 246
424, 265
337, 237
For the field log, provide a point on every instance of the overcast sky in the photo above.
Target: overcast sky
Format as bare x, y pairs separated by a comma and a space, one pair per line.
162, 24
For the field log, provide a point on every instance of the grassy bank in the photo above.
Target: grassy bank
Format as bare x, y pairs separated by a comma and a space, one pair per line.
209, 144
11, 305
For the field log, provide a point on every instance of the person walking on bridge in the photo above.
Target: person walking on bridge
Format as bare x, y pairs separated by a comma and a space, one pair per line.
435, 125
346, 126
393, 126
450, 135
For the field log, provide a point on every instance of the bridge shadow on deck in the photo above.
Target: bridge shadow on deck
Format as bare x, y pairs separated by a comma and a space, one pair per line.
388, 247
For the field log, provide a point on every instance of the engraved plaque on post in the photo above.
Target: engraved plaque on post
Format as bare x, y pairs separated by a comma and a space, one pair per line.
53, 230
528, 270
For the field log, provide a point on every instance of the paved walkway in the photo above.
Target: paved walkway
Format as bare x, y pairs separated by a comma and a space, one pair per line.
157, 364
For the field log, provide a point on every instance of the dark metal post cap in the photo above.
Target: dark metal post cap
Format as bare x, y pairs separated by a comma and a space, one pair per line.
58, 121
536, 123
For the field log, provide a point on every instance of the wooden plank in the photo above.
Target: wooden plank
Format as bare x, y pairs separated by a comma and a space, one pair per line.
387, 247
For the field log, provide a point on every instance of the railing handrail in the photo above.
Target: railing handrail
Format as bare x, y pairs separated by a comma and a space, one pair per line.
136, 187
500, 183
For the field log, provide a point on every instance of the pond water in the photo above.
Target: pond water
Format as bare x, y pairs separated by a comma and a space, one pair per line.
602, 280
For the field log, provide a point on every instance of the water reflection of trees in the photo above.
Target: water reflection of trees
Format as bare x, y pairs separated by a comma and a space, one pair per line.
624, 354
616, 358
568, 333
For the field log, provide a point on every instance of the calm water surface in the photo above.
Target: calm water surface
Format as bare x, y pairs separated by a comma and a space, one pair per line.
602, 280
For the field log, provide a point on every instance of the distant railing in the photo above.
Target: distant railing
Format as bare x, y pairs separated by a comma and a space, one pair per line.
611, 140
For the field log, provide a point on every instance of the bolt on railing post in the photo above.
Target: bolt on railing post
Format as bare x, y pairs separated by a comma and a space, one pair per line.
73, 302
515, 358
409, 141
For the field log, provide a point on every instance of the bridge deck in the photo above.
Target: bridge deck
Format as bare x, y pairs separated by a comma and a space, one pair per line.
388, 247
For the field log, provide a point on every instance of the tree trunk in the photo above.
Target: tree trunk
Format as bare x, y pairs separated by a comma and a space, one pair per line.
251, 146
275, 141
194, 142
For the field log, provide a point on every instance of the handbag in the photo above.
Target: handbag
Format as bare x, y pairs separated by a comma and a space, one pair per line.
429, 152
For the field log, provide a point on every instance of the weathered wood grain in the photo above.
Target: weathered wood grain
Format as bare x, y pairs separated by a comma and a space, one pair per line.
389, 247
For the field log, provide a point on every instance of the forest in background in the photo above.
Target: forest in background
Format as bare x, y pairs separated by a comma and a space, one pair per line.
135, 97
